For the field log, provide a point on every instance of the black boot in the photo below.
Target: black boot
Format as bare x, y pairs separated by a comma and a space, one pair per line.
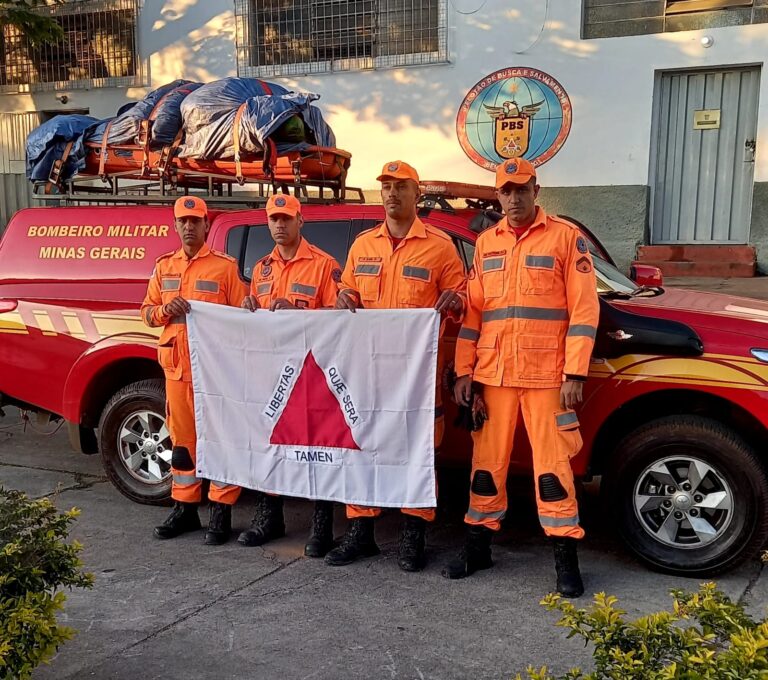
410, 555
267, 524
475, 555
219, 524
321, 537
569, 582
358, 542
183, 518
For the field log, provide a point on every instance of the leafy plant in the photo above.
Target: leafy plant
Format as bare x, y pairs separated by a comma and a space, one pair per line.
37, 27
35, 564
706, 636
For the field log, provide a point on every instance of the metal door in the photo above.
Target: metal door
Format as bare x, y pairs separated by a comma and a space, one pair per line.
15, 190
706, 127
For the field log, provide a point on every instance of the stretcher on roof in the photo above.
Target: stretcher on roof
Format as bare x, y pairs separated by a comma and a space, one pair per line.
134, 162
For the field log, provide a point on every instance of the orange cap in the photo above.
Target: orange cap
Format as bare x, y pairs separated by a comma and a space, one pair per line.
190, 206
398, 170
283, 204
515, 170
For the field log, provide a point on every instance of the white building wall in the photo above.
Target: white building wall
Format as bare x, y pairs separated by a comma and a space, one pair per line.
410, 113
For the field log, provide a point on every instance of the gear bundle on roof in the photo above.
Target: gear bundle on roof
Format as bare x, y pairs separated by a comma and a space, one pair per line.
194, 134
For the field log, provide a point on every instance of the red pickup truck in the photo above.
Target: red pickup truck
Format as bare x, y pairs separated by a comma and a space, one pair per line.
675, 418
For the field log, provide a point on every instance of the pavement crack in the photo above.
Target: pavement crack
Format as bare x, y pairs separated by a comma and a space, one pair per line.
208, 605
49, 469
81, 482
751, 584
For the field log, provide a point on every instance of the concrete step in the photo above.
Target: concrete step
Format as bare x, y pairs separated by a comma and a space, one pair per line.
722, 269
743, 254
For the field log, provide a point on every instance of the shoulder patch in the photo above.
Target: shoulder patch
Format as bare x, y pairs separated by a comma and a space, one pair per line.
336, 274
583, 265
581, 245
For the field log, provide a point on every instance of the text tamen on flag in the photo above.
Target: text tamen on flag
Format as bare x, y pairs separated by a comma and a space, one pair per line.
318, 404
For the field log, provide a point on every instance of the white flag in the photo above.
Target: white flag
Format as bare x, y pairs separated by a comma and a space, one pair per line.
318, 404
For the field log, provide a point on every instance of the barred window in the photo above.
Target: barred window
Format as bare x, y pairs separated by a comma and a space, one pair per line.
294, 37
97, 49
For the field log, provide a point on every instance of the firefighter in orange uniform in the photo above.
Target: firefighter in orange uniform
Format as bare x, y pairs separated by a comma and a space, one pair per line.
526, 339
399, 264
295, 275
194, 272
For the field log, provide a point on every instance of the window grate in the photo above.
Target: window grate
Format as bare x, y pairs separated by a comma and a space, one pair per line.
98, 49
297, 37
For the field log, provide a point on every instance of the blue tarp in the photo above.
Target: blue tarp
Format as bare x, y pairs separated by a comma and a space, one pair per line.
126, 125
206, 113
209, 118
46, 144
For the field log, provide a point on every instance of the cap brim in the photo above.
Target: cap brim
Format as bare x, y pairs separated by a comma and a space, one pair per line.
514, 179
291, 212
381, 178
189, 213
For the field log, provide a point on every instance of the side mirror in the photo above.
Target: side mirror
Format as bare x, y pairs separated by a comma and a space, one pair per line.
646, 275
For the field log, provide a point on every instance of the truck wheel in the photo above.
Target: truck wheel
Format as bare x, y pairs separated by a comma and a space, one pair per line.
690, 495
135, 444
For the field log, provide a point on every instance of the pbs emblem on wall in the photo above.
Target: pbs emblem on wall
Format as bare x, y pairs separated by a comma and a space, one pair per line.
514, 113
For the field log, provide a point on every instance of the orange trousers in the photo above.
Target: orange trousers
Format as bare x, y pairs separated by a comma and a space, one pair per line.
187, 487
555, 439
428, 514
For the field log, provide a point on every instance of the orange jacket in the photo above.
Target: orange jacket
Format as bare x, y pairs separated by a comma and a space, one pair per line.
308, 281
532, 307
209, 276
424, 264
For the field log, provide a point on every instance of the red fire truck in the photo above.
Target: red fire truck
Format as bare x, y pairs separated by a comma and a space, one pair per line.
675, 419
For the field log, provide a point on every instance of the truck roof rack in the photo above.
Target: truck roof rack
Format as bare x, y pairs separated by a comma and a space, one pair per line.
216, 190
437, 193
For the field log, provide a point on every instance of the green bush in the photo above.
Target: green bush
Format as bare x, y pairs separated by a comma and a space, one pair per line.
35, 563
704, 637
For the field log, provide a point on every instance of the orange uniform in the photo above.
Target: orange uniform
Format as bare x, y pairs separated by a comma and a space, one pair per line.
412, 274
308, 280
530, 323
209, 276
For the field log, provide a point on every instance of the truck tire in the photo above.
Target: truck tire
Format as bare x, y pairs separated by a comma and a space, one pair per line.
135, 444
690, 495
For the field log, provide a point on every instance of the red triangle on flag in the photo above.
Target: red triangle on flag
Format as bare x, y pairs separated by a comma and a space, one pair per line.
313, 416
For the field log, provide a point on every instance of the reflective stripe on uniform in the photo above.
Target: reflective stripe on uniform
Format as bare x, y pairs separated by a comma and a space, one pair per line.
369, 269
564, 419
478, 515
538, 313
468, 334
542, 261
303, 290
148, 315
171, 284
558, 521
416, 273
492, 263
582, 330
263, 288
179, 319
207, 286
185, 480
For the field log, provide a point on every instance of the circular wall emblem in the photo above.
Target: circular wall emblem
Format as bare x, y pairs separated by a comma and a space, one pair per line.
189, 203
279, 201
514, 113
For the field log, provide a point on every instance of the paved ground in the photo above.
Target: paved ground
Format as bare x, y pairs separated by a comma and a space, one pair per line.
755, 287
179, 609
